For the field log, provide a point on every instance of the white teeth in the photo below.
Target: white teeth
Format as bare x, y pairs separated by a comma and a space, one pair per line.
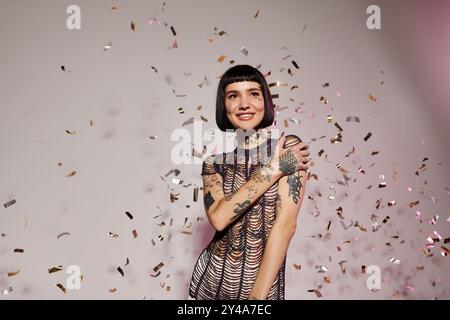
246, 116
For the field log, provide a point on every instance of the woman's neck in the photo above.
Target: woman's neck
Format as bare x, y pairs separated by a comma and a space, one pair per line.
253, 140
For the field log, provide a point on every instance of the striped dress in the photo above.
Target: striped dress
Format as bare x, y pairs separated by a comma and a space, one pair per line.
226, 269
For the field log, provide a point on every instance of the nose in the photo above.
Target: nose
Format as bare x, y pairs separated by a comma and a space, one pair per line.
245, 104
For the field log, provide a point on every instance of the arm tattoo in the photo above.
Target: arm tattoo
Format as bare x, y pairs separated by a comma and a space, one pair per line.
240, 208
278, 203
208, 199
288, 162
295, 185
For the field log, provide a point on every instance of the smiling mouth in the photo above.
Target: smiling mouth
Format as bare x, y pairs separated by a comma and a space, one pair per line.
245, 116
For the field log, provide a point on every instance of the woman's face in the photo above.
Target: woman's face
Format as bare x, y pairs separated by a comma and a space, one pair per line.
244, 104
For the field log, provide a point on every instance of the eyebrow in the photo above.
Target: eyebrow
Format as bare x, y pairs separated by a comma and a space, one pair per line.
251, 89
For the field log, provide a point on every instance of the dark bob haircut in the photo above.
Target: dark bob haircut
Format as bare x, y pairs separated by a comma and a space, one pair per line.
237, 74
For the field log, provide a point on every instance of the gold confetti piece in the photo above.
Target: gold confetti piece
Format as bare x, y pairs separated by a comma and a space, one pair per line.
18, 250
153, 137
413, 204
7, 291
203, 118
244, 51
386, 219
338, 126
372, 98
326, 85
114, 8
113, 235
391, 203
180, 110
363, 269
120, 271
173, 197
328, 226
320, 152
337, 138
352, 119
290, 72
350, 152
153, 242
133, 26
329, 118
382, 185
186, 231
195, 195
323, 100
317, 292
9, 203
112, 290
159, 266
221, 33
127, 262
60, 286
161, 238
295, 64
162, 224
221, 58
297, 266
63, 68
173, 30
135, 235
71, 132
107, 46
12, 274
59, 164
129, 215
256, 14
367, 136
55, 269
327, 280
374, 153
71, 174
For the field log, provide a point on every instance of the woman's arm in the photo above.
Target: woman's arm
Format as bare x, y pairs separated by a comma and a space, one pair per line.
289, 199
222, 211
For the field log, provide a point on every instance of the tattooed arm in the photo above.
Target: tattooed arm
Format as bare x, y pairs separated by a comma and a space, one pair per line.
291, 189
222, 211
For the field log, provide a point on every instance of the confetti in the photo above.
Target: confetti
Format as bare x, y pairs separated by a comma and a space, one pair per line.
9, 203
7, 291
60, 286
63, 68
180, 110
107, 46
395, 261
323, 100
195, 195
12, 274
321, 269
382, 185
173, 197
173, 31
55, 269
256, 14
391, 203
112, 290
113, 235
153, 137
372, 98
129, 215
352, 119
244, 51
221, 58
71, 174
367, 136
135, 235
317, 292
297, 266
71, 132
133, 26
295, 64
120, 271
17, 250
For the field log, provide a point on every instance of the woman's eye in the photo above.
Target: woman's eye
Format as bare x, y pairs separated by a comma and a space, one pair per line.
255, 94
231, 96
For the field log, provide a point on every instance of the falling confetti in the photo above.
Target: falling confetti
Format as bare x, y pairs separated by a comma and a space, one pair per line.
9, 203
55, 269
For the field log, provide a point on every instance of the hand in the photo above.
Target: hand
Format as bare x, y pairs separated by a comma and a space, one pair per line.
291, 155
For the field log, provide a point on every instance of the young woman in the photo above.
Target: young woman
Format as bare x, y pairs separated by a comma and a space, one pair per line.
252, 196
